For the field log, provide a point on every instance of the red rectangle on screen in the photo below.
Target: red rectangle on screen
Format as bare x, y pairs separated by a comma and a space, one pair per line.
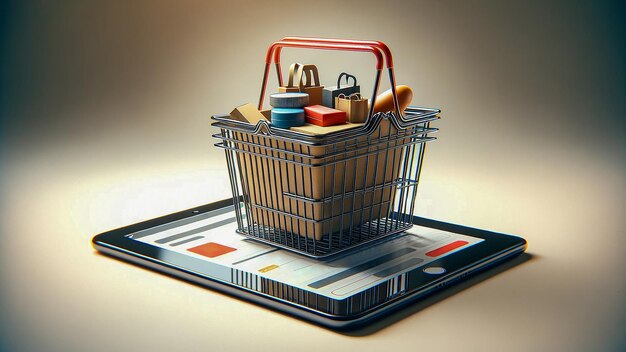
447, 248
212, 249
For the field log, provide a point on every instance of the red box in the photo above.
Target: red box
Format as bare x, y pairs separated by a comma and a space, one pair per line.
324, 116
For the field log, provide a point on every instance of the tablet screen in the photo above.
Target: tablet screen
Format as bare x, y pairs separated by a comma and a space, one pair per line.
347, 284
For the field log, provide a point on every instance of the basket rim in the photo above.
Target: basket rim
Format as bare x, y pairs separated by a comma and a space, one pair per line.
413, 116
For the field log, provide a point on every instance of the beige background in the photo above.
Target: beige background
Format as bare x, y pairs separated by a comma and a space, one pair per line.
104, 123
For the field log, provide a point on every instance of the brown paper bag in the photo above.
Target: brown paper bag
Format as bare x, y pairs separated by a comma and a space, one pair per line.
313, 88
312, 85
354, 105
293, 85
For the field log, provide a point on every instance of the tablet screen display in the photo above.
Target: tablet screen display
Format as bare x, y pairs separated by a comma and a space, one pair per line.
337, 285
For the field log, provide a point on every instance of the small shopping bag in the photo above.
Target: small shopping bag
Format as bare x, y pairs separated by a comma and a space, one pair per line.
330, 93
354, 105
312, 86
296, 83
293, 82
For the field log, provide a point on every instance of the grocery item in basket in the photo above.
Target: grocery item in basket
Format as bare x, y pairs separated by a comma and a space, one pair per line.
292, 82
330, 93
296, 83
324, 116
355, 107
319, 131
267, 113
289, 100
287, 117
247, 113
384, 101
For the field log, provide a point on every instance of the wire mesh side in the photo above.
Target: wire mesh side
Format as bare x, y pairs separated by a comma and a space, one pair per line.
319, 200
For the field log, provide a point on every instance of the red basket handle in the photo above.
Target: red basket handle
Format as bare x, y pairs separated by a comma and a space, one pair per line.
375, 43
323, 46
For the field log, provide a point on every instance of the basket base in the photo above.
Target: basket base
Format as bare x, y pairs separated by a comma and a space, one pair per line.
329, 245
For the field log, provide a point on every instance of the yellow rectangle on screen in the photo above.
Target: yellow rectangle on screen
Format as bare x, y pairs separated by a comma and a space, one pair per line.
268, 268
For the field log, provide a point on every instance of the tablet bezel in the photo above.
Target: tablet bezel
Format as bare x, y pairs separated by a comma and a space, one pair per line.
495, 248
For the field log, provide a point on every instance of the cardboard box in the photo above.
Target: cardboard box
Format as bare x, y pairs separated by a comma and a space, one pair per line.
247, 113
314, 195
324, 116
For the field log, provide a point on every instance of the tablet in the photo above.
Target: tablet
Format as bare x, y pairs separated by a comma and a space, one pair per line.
341, 292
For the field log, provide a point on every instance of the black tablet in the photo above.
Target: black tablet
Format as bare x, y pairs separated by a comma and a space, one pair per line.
341, 292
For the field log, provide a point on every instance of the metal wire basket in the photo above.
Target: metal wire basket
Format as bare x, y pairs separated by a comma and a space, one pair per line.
319, 195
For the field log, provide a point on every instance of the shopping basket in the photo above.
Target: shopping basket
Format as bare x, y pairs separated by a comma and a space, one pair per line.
322, 194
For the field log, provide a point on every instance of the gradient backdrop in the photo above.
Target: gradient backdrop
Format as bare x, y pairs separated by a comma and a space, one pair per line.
104, 122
